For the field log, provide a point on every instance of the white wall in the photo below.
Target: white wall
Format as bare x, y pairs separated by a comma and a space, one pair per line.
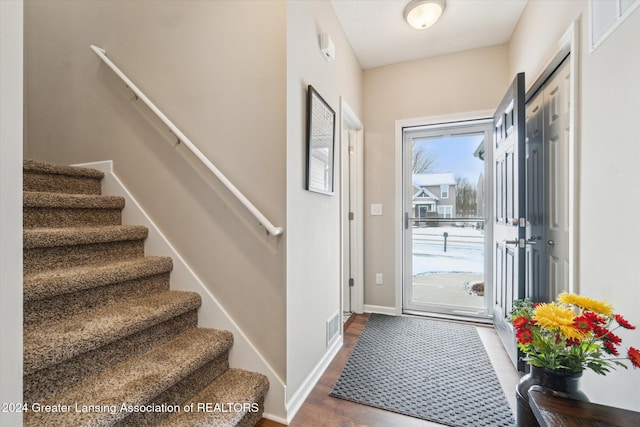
472, 80
608, 167
313, 220
217, 69
11, 13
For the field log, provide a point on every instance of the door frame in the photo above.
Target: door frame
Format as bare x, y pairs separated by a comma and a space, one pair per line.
349, 121
568, 44
481, 125
398, 205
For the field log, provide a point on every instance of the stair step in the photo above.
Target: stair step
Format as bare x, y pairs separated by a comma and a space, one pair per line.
70, 210
136, 381
53, 248
57, 294
102, 330
48, 344
55, 237
52, 178
43, 285
44, 383
236, 398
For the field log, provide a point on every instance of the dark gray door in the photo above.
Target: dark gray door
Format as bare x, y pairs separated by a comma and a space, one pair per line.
509, 228
536, 258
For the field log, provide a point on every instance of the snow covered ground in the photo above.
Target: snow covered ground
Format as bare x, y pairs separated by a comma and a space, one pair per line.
441, 277
465, 250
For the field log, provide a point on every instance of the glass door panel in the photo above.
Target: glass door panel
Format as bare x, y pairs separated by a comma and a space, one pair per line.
445, 221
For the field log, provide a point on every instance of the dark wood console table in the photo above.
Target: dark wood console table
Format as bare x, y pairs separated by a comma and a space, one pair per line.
555, 411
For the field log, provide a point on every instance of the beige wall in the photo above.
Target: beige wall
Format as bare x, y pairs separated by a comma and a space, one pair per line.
217, 69
461, 82
608, 154
11, 48
313, 220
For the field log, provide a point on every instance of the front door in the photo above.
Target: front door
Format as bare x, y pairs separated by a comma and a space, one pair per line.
556, 125
445, 220
509, 226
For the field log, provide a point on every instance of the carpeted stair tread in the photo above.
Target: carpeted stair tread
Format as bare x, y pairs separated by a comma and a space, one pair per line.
55, 237
235, 399
36, 199
47, 344
40, 176
102, 327
56, 169
136, 381
62, 281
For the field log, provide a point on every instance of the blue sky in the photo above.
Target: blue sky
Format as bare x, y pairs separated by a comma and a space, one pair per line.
455, 155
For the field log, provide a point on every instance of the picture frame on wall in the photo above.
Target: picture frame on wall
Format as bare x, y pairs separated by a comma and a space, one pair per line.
320, 144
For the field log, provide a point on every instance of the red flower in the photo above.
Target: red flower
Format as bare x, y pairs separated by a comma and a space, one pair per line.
524, 336
623, 322
610, 348
583, 323
613, 338
634, 356
594, 318
520, 322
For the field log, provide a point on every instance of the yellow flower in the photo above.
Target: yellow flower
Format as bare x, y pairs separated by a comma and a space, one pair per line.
555, 316
586, 303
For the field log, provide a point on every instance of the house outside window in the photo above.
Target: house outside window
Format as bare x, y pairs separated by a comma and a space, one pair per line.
445, 211
431, 190
444, 191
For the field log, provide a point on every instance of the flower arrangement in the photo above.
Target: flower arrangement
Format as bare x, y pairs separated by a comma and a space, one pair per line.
571, 334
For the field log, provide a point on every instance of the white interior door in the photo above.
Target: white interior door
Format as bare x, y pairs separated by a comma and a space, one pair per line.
352, 155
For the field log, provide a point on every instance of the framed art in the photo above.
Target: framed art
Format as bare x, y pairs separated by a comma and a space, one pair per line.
320, 143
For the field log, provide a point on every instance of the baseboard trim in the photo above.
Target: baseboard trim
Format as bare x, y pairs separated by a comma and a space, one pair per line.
380, 309
211, 314
293, 405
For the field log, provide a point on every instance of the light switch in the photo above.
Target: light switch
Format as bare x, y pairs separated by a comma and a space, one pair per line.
376, 209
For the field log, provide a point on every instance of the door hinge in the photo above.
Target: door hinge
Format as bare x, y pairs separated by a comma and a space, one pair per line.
351, 216
351, 283
523, 222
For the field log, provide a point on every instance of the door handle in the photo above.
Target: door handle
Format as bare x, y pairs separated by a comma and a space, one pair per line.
531, 241
511, 242
551, 243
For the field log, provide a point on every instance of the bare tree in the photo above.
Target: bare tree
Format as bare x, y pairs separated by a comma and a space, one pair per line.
465, 198
422, 161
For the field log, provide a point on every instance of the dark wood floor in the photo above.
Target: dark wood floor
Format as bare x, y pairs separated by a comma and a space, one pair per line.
322, 410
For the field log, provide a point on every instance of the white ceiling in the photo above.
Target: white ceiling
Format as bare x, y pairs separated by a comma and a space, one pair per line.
380, 36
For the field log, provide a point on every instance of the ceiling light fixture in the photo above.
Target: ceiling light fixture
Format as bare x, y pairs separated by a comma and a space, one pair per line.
421, 14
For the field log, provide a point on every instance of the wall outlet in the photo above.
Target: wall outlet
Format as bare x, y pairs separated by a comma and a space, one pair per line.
379, 279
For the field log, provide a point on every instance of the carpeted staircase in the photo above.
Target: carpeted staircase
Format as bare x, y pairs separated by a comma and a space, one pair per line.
106, 342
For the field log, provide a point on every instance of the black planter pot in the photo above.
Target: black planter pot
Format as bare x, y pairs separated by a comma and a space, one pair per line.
562, 384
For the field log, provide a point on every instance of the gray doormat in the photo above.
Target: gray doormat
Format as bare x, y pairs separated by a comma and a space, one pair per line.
436, 371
